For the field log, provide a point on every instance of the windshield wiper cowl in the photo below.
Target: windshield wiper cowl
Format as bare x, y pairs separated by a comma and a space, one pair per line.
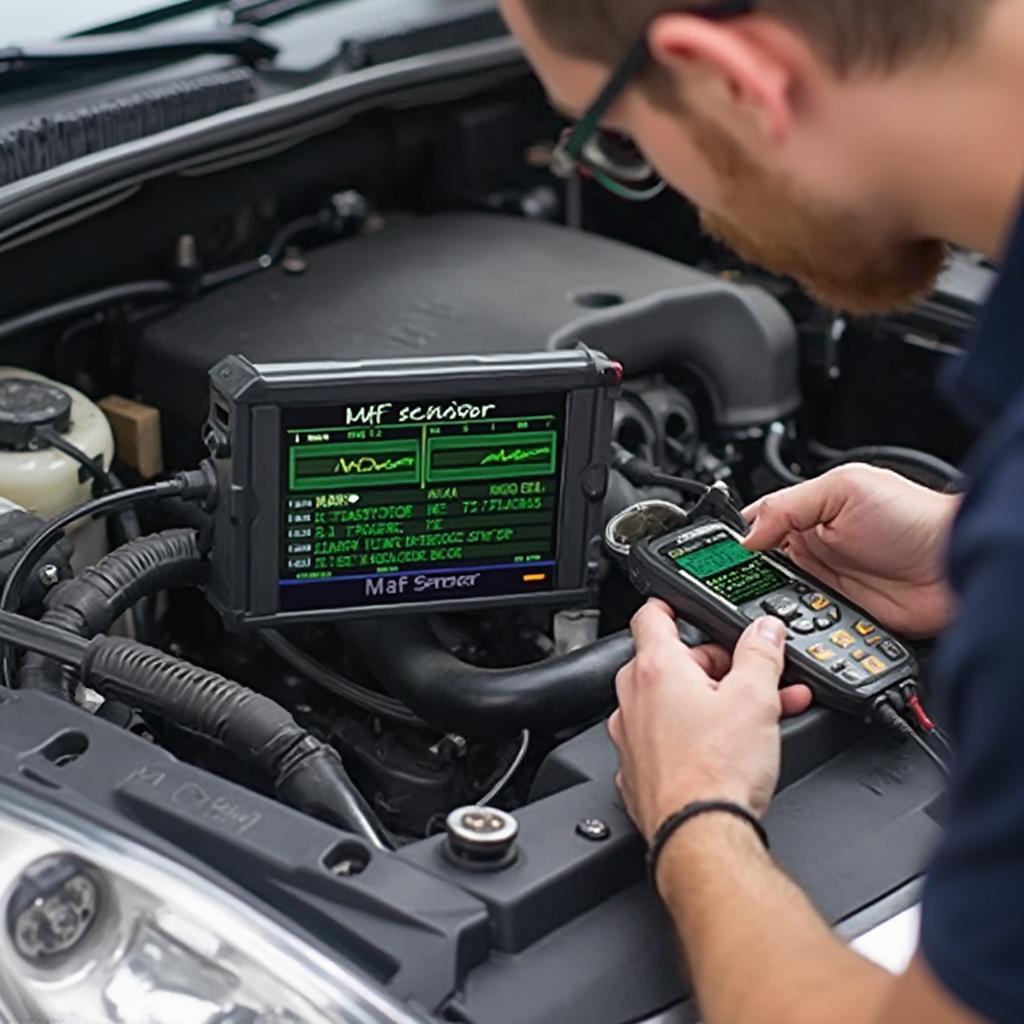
132, 48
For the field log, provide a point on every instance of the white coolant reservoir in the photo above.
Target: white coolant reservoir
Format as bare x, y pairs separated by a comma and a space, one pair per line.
43, 480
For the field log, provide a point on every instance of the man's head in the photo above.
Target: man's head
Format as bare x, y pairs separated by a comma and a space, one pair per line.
777, 124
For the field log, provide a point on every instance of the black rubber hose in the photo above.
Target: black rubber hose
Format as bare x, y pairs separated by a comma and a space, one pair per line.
412, 665
80, 304
304, 771
376, 703
92, 602
909, 457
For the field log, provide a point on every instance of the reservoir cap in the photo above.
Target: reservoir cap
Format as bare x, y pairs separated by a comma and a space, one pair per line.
28, 404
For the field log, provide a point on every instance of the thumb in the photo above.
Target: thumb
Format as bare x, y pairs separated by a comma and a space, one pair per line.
760, 654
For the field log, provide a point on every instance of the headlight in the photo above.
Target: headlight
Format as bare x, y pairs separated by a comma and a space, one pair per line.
96, 928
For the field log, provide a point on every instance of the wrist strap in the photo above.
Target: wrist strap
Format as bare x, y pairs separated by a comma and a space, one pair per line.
674, 822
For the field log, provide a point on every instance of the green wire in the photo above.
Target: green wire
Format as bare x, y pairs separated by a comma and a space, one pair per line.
623, 191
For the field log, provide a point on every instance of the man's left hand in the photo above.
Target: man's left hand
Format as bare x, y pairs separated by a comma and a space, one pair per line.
695, 724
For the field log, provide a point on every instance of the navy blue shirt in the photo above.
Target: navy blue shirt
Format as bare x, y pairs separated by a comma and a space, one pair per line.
973, 924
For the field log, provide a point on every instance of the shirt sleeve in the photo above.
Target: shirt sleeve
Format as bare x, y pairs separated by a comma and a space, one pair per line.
973, 919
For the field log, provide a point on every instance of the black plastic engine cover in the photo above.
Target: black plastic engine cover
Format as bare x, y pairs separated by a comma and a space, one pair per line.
479, 284
571, 931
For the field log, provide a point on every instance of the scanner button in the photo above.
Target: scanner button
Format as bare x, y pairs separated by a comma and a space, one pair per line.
864, 628
841, 638
784, 608
801, 588
817, 602
891, 650
804, 627
819, 652
875, 665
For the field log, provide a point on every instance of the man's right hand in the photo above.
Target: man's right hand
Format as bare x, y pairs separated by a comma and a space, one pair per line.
870, 534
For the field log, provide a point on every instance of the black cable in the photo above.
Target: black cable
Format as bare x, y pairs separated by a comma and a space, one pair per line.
107, 481
939, 761
27, 634
268, 258
195, 484
170, 290
888, 716
86, 303
94, 467
376, 703
943, 739
642, 474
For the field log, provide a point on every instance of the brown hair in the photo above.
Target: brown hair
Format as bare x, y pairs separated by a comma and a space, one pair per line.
853, 35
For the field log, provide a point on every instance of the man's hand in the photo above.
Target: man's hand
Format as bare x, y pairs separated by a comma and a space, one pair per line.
870, 534
693, 725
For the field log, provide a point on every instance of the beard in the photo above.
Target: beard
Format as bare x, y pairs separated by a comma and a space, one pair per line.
844, 259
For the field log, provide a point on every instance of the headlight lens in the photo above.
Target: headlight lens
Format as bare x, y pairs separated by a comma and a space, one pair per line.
100, 929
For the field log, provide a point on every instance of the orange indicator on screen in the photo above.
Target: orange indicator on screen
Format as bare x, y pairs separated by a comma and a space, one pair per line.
537, 577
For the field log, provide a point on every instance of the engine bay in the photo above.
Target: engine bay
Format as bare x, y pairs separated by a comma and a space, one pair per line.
430, 241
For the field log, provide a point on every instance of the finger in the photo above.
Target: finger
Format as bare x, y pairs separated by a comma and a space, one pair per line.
759, 656
654, 626
714, 660
811, 558
795, 700
615, 729
792, 511
623, 681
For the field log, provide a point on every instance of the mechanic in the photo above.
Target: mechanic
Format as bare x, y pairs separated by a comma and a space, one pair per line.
842, 142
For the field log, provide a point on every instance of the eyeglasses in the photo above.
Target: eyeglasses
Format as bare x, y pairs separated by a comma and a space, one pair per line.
611, 159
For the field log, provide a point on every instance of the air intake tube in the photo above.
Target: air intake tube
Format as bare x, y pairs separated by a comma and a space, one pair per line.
412, 665
305, 772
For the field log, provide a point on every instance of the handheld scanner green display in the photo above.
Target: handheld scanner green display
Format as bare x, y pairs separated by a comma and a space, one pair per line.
712, 581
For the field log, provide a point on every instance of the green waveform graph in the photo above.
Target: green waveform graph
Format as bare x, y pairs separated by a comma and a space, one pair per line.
453, 459
326, 467
371, 464
517, 456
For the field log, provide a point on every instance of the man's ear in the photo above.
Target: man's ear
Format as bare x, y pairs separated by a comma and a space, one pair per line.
743, 77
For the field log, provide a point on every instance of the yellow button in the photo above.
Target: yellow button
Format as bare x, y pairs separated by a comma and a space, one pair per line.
842, 639
874, 641
875, 665
864, 628
859, 655
817, 602
820, 653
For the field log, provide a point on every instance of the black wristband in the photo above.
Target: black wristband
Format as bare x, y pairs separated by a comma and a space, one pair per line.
676, 821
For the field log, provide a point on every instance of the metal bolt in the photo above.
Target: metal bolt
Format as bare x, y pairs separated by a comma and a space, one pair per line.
593, 829
49, 575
